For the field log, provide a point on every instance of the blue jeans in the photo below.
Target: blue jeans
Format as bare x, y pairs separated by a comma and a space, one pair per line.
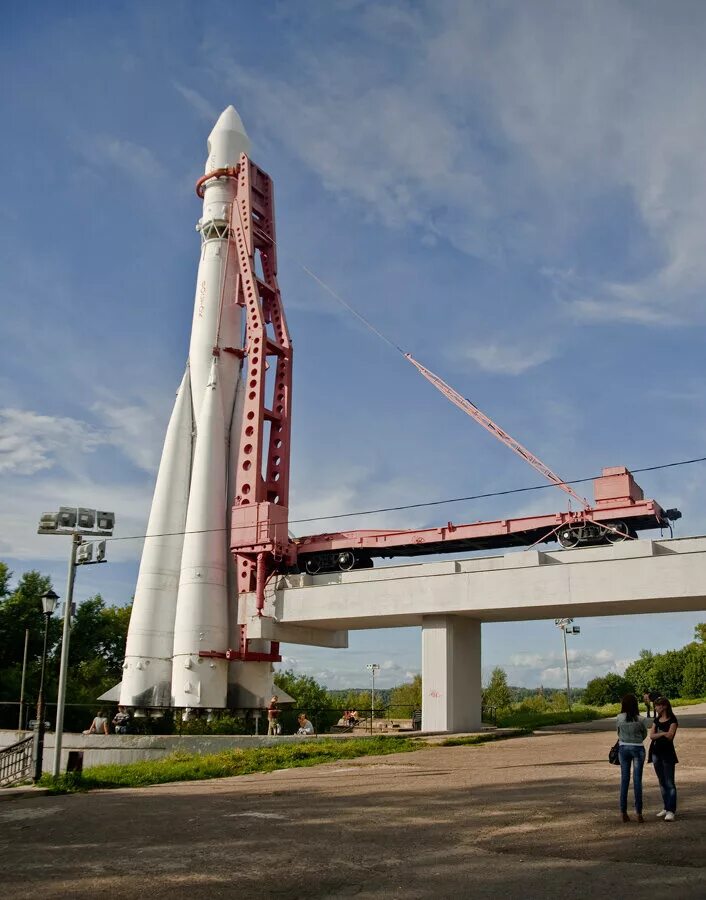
664, 769
631, 755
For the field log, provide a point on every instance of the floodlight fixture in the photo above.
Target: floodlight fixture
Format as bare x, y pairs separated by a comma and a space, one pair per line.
49, 521
86, 517
68, 516
105, 520
100, 551
84, 554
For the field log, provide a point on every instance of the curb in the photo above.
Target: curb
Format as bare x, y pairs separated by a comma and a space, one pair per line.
22, 793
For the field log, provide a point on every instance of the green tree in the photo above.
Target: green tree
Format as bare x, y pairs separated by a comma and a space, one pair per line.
310, 697
21, 609
100, 632
406, 697
498, 692
610, 688
668, 672
694, 676
700, 632
5, 576
641, 672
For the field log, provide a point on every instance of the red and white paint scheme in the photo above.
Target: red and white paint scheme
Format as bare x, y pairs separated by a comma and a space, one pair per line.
619, 512
224, 448
218, 527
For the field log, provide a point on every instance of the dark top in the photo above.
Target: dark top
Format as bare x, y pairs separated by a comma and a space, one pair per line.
661, 748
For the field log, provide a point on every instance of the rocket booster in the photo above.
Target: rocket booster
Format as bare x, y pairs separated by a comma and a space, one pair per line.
186, 575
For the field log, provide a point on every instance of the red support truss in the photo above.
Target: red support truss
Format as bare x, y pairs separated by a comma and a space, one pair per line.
259, 523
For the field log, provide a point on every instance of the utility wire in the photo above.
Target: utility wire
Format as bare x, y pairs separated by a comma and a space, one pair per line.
428, 503
354, 312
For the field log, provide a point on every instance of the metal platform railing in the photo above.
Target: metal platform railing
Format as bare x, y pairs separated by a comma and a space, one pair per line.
16, 762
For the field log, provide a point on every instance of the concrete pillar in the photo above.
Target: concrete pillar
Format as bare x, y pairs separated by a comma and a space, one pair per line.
451, 673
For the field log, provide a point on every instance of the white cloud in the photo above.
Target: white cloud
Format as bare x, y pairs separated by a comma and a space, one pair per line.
612, 311
51, 461
26, 499
549, 669
504, 358
496, 132
199, 103
30, 442
136, 429
137, 162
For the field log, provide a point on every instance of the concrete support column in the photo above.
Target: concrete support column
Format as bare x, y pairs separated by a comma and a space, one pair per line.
451, 673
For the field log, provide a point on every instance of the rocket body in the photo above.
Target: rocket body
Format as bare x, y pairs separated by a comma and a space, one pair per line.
186, 600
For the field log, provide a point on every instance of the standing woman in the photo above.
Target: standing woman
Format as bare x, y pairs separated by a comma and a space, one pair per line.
664, 756
632, 732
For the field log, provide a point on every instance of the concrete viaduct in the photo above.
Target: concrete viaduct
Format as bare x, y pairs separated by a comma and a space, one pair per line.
450, 599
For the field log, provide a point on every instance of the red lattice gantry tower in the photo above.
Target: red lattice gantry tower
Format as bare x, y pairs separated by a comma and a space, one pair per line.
259, 522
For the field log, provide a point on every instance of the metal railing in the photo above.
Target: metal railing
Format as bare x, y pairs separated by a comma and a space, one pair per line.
16, 762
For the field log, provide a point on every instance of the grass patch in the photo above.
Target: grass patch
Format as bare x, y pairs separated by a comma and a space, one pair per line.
477, 739
528, 720
685, 701
197, 767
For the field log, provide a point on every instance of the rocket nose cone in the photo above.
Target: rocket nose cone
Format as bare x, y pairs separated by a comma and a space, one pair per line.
227, 140
230, 120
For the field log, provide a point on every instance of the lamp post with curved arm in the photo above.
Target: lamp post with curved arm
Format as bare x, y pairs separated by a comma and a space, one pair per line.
48, 606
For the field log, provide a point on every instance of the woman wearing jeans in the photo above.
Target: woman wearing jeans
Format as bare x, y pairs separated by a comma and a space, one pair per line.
632, 732
664, 756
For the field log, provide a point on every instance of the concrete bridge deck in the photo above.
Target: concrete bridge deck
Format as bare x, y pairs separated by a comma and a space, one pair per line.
450, 599
632, 577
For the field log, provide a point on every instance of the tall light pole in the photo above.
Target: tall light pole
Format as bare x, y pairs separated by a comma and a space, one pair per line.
74, 522
372, 668
64, 664
48, 605
22, 685
567, 627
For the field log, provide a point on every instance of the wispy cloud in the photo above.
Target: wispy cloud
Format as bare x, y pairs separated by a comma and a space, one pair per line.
198, 102
30, 442
138, 163
506, 358
548, 668
471, 137
136, 429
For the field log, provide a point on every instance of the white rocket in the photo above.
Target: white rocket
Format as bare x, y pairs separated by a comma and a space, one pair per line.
185, 593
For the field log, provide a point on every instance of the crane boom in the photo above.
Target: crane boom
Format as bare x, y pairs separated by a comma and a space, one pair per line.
471, 410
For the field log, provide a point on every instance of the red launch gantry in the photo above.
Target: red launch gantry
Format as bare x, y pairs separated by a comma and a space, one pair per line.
259, 524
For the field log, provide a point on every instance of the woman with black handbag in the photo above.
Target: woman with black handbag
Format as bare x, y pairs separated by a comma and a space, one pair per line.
664, 756
632, 732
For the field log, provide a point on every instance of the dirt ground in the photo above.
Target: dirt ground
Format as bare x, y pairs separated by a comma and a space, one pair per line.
528, 817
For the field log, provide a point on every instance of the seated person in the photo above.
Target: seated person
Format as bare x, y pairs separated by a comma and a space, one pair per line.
99, 725
121, 721
305, 726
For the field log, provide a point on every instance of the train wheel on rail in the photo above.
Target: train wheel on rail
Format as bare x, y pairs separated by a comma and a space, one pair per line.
569, 537
617, 532
346, 560
313, 565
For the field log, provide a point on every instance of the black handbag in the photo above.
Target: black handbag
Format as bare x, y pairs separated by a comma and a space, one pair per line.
614, 754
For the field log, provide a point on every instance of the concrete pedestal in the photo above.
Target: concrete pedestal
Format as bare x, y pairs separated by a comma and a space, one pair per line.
451, 673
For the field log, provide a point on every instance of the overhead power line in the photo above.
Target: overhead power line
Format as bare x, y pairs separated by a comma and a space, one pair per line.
425, 504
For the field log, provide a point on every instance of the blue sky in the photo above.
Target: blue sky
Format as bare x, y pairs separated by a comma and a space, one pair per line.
514, 192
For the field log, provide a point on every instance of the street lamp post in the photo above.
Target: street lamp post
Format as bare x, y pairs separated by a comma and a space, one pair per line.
64, 663
372, 668
74, 522
567, 627
22, 686
48, 605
